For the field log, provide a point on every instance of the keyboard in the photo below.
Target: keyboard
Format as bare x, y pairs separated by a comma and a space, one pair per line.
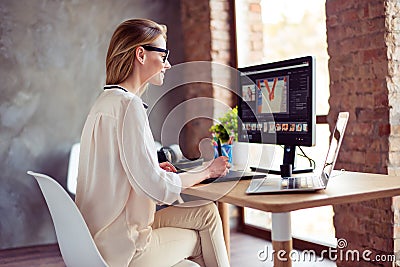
301, 182
234, 176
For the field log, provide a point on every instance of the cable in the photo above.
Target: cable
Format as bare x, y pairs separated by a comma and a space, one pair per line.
338, 174
312, 162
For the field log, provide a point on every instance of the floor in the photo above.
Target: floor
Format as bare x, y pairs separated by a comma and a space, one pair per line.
249, 251
245, 252
38, 256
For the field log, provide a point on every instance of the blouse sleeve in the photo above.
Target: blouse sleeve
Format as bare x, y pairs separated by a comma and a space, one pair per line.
139, 156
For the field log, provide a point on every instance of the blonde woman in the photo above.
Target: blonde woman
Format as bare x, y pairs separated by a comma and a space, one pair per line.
119, 177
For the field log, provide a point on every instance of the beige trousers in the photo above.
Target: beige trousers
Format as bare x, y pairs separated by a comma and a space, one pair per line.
191, 230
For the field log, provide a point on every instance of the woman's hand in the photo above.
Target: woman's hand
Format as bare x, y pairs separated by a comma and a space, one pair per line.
167, 166
219, 167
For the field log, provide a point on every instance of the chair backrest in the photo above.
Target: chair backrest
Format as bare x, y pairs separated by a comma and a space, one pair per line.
74, 239
73, 168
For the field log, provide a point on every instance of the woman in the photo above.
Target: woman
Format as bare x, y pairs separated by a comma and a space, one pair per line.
119, 178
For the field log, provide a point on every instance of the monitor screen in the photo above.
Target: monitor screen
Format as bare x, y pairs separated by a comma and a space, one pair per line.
276, 103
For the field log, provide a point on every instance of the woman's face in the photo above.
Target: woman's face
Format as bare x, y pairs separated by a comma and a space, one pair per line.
154, 61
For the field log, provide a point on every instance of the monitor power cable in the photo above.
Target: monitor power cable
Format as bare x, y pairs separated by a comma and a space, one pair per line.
310, 160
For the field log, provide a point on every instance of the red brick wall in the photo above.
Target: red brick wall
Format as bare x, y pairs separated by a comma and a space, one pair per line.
207, 26
221, 31
250, 32
222, 53
358, 68
393, 81
195, 19
226, 37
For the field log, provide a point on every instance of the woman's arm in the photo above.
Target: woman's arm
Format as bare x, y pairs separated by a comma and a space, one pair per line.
139, 155
219, 167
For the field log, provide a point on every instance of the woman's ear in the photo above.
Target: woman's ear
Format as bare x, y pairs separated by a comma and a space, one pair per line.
140, 55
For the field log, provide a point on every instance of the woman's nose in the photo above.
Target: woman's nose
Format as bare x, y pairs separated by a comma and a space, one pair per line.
167, 65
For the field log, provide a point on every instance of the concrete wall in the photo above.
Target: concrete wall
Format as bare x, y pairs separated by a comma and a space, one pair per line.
52, 56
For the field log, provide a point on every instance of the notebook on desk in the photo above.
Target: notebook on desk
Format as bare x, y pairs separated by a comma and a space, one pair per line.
305, 183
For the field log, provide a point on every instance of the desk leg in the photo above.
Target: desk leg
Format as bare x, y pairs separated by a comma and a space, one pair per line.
223, 209
281, 239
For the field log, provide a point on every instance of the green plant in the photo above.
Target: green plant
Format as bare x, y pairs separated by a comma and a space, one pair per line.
227, 126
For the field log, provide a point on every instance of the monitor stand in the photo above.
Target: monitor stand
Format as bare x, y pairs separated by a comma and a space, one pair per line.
289, 153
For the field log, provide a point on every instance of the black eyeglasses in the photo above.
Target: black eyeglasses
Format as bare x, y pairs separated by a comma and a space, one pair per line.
157, 49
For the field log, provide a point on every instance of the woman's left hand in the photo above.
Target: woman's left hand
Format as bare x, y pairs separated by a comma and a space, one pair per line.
167, 166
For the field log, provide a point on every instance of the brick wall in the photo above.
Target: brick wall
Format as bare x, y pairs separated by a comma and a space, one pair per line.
393, 82
250, 32
358, 67
222, 51
195, 19
249, 37
361, 71
207, 26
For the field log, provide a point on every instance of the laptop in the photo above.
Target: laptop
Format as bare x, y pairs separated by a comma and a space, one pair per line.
305, 183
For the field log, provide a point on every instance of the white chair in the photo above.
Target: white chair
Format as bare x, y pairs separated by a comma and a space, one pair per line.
74, 239
76, 244
73, 168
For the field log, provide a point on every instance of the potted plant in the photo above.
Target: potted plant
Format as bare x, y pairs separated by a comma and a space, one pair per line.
226, 129
225, 133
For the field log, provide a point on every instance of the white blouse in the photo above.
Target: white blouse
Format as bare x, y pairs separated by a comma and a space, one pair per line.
119, 178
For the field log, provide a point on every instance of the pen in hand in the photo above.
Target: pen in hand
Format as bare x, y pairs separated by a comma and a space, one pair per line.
219, 149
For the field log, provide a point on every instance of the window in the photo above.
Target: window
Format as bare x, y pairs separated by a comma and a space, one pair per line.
268, 31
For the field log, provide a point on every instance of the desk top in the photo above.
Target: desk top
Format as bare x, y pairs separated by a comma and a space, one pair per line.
345, 187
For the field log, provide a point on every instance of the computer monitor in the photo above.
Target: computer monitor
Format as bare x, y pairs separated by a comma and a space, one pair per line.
276, 105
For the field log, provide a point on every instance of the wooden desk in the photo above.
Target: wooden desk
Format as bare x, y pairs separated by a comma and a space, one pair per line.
345, 187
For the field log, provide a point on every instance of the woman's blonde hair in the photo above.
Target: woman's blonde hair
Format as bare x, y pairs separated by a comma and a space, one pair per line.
127, 37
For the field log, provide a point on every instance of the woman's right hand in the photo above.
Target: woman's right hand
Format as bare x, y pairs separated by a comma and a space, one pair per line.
219, 167
216, 168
